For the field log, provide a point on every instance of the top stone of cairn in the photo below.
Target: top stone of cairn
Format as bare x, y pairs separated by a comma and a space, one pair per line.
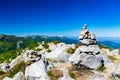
86, 37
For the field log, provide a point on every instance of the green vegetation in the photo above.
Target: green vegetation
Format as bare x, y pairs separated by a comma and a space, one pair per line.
101, 69
70, 50
7, 56
61, 61
111, 78
51, 60
7, 46
1, 72
38, 49
55, 73
11, 42
48, 50
79, 72
56, 41
45, 45
111, 58
119, 51
51, 75
19, 67
32, 45
72, 75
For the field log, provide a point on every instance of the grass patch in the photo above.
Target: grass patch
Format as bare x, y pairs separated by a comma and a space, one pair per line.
111, 78
19, 67
80, 73
48, 50
56, 42
51, 60
111, 58
72, 75
1, 72
70, 50
51, 75
32, 46
119, 51
101, 69
45, 45
38, 49
61, 61
9, 55
55, 73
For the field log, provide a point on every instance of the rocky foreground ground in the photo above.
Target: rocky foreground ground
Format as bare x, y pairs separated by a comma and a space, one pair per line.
53, 63
60, 61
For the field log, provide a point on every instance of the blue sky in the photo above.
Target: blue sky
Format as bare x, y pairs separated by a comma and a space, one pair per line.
59, 17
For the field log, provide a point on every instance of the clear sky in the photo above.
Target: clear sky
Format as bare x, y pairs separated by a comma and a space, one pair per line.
59, 17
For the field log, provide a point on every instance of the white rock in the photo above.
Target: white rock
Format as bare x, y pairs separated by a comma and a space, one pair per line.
114, 52
5, 67
104, 51
88, 41
52, 46
87, 37
97, 77
75, 56
19, 76
111, 67
116, 73
60, 53
106, 60
16, 61
94, 49
40, 46
92, 36
7, 78
37, 71
90, 61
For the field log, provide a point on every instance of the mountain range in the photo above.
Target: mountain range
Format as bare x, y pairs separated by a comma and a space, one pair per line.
12, 42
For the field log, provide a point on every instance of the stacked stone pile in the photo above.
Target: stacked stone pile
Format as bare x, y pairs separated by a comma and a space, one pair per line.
87, 53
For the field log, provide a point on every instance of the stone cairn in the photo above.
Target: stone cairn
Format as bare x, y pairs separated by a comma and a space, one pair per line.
88, 41
87, 53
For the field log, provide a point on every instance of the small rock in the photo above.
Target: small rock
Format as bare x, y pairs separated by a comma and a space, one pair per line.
19, 76
116, 73
4, 67
97, 76
114, 52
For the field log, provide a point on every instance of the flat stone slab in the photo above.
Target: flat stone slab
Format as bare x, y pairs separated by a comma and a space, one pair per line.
93, 49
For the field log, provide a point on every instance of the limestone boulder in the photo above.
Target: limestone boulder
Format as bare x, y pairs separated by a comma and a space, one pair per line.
89, 61
91, 49
60, 53
36, 71
106, 60
88, 41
